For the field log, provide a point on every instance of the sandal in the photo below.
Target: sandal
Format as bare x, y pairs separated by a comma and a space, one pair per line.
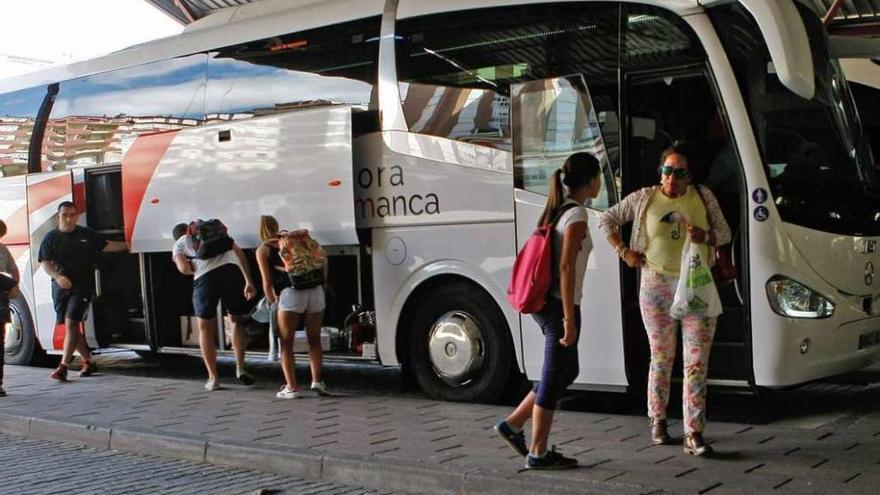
695, 445
659, 432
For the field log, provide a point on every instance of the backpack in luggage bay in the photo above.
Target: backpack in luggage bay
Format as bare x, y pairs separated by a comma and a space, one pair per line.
304, 259
533, 270
209, 238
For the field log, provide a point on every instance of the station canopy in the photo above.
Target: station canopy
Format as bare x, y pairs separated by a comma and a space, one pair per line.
849, 17
843, 17
187, 11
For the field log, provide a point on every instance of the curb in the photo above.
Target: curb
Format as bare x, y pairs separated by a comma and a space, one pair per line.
364, 471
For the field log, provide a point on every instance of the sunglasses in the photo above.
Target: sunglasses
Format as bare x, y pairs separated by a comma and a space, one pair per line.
679, 173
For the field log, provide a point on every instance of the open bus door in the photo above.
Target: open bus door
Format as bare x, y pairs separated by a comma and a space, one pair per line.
44, 193
113, 319
118, 309
661, 107
553, 118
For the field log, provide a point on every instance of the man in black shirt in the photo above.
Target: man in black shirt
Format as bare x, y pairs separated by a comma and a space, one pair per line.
68, 254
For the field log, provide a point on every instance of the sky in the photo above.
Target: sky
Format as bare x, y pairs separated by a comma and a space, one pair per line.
39, 33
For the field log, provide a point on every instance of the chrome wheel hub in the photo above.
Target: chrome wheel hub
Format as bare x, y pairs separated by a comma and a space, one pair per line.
456, 347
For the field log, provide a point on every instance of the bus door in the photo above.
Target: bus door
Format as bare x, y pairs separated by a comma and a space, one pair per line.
663, 107
119, 317
45, 192
551, 119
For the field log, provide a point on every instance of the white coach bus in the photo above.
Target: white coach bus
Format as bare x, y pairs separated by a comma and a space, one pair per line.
415, 138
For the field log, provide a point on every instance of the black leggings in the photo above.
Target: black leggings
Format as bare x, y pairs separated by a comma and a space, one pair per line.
560, 363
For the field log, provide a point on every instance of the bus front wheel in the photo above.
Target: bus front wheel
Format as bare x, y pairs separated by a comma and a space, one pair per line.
460, 346
20, 339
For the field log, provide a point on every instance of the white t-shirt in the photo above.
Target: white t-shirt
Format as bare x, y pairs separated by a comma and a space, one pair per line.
570, 217
201, 267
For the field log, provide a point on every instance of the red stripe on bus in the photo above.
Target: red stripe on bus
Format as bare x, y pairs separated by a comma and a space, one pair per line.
45, 192
58, 336
59, 332
79, 197
138, 167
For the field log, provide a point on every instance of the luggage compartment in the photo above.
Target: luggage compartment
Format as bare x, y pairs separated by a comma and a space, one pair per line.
296, 166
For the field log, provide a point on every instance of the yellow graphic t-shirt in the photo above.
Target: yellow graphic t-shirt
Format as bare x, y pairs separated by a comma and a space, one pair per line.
667, 232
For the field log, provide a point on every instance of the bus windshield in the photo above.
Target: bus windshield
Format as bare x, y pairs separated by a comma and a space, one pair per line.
817, 159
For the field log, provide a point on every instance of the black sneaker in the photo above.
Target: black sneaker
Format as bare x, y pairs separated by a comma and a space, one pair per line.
245, 378
517, 441
551, 460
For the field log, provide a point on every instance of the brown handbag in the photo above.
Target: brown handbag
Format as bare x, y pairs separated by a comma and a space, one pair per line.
723, 271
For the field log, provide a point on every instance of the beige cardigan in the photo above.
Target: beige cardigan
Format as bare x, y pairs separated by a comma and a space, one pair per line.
634, 207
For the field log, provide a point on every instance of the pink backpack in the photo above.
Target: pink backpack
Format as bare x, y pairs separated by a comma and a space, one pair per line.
533, 270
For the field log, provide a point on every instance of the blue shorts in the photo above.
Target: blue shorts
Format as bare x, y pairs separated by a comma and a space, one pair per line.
220, 284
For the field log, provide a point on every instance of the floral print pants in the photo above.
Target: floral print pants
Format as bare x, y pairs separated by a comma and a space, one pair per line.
655, 298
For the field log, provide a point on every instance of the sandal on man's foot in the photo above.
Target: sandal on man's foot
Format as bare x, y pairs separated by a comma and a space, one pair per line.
60, 373
88, 368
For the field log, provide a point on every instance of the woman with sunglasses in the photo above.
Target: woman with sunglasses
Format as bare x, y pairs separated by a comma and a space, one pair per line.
655, 247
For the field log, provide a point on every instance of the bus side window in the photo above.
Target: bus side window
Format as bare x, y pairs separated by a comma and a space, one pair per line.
95, 119
552, 119
328, 65
465, 114
456, 69
18, 115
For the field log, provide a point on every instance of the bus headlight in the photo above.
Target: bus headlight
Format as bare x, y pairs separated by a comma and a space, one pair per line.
794, 299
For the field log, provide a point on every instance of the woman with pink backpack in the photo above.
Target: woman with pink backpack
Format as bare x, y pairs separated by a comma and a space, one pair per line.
559, 318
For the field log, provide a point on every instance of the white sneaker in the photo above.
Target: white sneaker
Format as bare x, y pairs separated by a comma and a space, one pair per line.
212, 385
287, 393
320, 389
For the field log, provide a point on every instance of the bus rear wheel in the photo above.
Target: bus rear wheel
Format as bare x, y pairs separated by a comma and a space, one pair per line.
21, 340
460, 347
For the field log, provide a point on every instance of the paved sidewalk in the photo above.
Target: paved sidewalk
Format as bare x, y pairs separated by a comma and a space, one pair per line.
422, 446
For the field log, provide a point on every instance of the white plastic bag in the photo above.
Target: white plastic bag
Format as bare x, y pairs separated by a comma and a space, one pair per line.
696, 293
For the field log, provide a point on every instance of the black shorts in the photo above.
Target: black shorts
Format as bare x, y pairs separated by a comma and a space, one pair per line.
69, 304
220, 284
